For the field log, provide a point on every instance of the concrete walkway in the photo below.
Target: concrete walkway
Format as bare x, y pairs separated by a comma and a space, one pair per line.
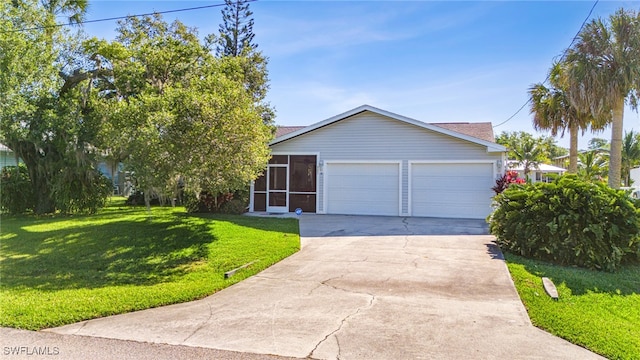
360, 288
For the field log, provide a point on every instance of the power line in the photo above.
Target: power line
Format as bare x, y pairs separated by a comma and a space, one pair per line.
116, 18
564, 53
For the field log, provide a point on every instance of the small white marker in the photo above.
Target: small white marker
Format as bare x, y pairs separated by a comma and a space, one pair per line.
550, 288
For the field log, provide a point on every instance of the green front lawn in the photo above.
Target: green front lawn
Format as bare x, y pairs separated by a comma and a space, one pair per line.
63, 269
599, 311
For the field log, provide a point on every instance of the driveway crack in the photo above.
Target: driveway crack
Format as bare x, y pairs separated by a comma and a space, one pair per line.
405, 221
81, 327
344, 320
202, 325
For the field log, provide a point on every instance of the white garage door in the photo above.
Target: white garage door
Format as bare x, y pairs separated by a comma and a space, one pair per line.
451, 190
363, 188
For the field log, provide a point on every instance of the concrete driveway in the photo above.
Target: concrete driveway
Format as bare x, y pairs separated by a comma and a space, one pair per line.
360, 288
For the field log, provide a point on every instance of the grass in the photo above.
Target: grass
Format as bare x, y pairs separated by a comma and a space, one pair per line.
58, 270
599, 311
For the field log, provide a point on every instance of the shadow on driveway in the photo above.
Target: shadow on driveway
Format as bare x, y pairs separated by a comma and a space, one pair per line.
314, 225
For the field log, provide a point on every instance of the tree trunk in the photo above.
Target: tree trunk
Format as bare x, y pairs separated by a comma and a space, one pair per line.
573, 148
615, 157
43, 201
38, 174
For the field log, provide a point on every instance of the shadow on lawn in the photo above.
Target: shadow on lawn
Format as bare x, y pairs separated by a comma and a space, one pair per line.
626, 281
289, 225
141, 252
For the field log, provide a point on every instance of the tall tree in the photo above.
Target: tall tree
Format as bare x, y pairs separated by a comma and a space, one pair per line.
74, 10
236, 30
552, 149
554, 112
235, 40
45, 85
180, 110
599, 143
604, 71
630, 155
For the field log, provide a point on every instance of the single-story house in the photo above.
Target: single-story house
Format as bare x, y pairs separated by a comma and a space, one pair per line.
7, 157
369, 161
538, 173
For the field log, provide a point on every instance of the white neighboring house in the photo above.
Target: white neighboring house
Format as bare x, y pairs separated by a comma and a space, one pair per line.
7, 157
635, 177
635, 183
369, 161
537, 174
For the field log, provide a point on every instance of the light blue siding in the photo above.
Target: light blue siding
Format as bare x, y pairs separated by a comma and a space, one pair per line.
368, 136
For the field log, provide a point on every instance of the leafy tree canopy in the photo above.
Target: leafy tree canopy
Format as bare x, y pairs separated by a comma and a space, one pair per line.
515, 139
46, 82
235, 40
156, 98
176, 110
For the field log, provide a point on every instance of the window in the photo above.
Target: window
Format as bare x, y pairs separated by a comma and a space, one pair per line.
302, 173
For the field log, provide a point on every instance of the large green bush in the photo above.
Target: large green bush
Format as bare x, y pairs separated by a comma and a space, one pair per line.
81, 190
224, 203
569, 222
16, 194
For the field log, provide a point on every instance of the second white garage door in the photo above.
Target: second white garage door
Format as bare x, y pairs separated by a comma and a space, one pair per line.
457, 190
363, 188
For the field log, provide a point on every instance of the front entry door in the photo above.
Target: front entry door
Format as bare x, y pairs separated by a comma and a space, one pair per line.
277, 186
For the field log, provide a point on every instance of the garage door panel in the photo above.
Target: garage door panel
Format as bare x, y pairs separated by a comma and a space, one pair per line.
454, 169
373, 182
363, 188
445, 183
460, 190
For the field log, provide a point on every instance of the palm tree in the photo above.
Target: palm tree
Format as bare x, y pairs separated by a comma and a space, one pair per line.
604, 71
553, 111
73, 9
592, 165
529, 153
630, 155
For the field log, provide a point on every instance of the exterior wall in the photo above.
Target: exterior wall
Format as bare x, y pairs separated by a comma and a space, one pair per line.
7, 158
536, 175
372, 137
635, 177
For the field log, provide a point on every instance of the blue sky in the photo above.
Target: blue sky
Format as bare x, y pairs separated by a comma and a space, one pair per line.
434, 61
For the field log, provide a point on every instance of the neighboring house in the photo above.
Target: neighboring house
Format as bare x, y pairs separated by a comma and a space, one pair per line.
369, 161
537, 174
7, 157
635, 177
563, 161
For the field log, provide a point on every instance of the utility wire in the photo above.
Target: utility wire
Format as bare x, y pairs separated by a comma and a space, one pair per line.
564, 53
116, 18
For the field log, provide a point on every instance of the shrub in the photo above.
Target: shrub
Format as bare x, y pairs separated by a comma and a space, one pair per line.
16, 192
224, 203
81, 190
137, 199
568, 222
234, 206
503, 182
